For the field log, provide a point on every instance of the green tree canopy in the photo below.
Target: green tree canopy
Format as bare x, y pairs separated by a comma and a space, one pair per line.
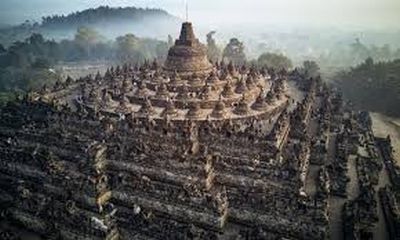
274, 60
127, 42
27, 64
41, 63
87, 35
374, 86
234, 52
213, 52
2, 49
311, 68
127, 48
36, 39
87, 38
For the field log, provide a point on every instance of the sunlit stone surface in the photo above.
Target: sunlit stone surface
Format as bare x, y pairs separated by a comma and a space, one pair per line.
188, 150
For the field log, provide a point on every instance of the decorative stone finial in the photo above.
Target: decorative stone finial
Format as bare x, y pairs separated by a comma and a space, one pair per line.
241, 87
242, 108
146, 109
170, 109
196, 80
250, 82
126, 85
270, 98
123, 105
207, 92
260, 104
228, 91
194, 110
219, 110
106, 96
93, 96
142, 89
183, 93
175, 78
162, 91
213, 78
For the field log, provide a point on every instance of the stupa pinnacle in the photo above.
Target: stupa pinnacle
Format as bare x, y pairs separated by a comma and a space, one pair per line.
188, 56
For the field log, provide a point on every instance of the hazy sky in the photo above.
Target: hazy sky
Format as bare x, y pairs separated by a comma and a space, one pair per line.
343, 13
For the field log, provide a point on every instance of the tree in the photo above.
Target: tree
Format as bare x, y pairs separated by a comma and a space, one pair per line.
274, 60
6, 97
87, 35
41, 63
311, 68
27, 63
86, 38
18, 56
162, 50
2, 49
127, 48
213, 52
359, 51
37, 45
234, 52
369, 62
374, 86
36, 39
396, 55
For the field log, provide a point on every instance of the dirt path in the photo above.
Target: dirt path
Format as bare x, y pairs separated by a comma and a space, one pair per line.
335, 203
383, 126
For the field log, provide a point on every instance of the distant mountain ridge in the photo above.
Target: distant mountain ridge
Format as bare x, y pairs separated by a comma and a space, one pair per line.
108, 21
104, 14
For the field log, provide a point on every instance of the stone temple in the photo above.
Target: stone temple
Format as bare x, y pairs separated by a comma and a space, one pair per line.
183, 150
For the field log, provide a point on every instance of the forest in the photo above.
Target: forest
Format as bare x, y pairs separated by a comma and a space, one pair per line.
29, 64
373, 85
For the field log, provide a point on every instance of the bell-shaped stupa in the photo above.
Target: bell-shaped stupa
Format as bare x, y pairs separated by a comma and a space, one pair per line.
188, 56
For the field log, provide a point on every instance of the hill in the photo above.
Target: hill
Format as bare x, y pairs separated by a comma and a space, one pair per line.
109, 22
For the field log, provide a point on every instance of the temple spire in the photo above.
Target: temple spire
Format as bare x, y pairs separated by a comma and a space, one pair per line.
188, 55
187, 10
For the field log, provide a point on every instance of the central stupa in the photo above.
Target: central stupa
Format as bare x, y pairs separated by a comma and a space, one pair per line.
188, 56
